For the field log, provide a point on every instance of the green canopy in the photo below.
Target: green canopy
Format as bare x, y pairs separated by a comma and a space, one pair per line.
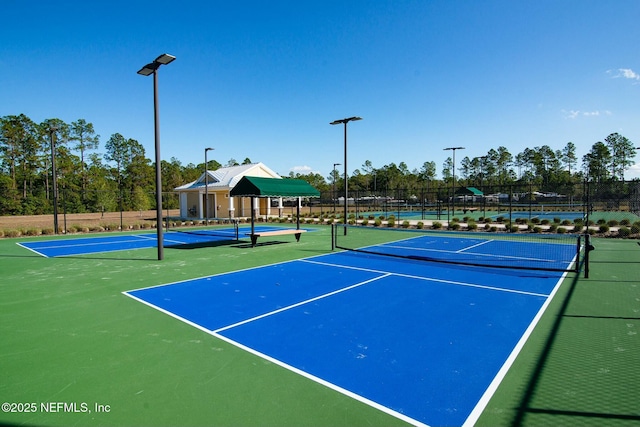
468, 191
252, 186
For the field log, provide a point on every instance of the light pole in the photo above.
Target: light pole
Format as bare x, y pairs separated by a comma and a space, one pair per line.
453, 195
334, 187
147, 70
206, 185
54, 179
346, 191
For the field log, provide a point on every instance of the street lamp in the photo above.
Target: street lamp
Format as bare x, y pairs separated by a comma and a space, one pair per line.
453, 196
334, 186
147, 70
54, 180
346, 191
206, 185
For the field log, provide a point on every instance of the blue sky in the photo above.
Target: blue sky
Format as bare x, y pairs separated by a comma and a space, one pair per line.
263, 79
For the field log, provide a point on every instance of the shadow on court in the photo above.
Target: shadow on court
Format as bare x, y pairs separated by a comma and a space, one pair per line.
592, 335
201, 245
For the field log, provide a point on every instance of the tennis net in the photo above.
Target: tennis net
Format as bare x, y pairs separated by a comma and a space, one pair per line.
530, 251
225, 228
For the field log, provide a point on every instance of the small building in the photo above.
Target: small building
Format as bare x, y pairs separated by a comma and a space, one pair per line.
209, 195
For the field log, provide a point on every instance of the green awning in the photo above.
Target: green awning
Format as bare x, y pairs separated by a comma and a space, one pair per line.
252, 186
469, 191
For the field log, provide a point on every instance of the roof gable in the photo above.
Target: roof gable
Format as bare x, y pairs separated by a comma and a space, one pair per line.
228, 177
251, 186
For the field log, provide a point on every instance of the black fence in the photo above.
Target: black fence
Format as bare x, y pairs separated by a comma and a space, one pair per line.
589, 203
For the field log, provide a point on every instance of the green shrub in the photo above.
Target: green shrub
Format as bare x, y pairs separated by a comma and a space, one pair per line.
378, 222
500, 219
604, 228
626, 222
613, 222
391, 222
635, 228
472, 226
436, 225
365, 222
535, 220
454, 226
556, 220
32, 232
493, 229
553, 228
537, 229
13, 233
566, 222
487, 220
562, 230
420, 225
545, 222
514, 229
624, 232
405, 224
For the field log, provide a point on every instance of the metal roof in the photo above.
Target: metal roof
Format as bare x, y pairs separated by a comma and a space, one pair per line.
252, 186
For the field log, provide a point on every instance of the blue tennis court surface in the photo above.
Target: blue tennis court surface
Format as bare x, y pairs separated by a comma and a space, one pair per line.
123, 242
422, 341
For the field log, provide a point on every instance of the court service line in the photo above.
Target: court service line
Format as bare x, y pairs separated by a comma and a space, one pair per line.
474, 246
321, 381
471, 253
298, 304
429, 279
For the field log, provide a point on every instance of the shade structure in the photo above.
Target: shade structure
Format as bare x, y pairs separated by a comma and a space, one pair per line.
252, 186
468, 191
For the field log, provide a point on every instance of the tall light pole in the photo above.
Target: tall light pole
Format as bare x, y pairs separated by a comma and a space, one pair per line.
54, 179
206, 185
453, 195
346, 191
334, 187
147, 70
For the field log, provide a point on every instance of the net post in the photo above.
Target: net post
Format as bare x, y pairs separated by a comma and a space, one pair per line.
588, 248
333, 238
579, 245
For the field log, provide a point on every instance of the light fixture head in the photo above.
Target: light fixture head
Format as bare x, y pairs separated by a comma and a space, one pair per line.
149, 69
165, 59
350, 119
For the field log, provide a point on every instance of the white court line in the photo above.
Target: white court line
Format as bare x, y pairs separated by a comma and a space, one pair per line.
271, 313
280, 363
474, 246
472, 253
32, 250
429, 279
493, 387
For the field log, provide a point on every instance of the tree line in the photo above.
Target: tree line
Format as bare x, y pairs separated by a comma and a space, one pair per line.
118, 175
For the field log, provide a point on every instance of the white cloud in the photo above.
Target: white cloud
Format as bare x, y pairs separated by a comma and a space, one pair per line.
625, 73
574, 114
633, 172
302, 170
